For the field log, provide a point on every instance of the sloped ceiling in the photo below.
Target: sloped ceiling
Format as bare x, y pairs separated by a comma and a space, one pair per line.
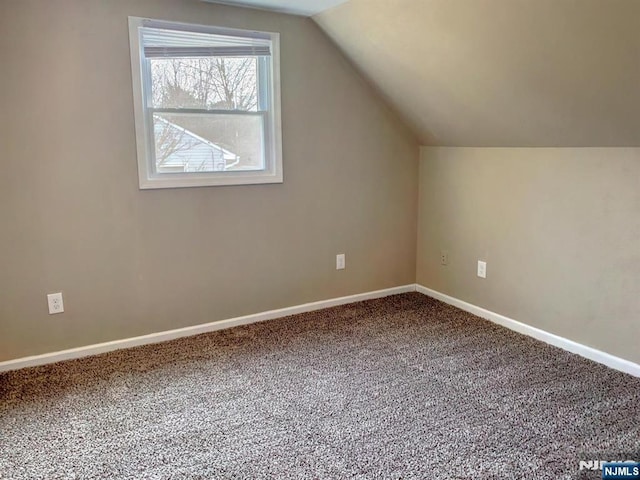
500, 72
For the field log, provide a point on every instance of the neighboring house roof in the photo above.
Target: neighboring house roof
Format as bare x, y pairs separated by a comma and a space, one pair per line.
188, 152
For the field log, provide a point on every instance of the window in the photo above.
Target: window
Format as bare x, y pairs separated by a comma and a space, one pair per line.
207, 105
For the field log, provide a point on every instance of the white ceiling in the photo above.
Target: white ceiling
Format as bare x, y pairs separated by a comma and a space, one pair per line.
295, 7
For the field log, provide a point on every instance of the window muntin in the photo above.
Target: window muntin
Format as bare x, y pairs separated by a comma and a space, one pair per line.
207, 111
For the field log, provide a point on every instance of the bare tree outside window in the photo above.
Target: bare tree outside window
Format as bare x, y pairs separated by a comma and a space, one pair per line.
209, 83
222, 83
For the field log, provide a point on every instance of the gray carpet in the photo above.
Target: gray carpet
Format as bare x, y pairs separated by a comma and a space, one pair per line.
401, 387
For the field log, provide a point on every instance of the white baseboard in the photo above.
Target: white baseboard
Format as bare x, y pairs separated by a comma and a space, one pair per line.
195, 330
607, 359
550, 338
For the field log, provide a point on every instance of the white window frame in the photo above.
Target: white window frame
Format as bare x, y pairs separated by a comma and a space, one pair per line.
141, 78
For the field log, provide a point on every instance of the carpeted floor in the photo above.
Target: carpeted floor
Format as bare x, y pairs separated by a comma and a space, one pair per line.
400, 387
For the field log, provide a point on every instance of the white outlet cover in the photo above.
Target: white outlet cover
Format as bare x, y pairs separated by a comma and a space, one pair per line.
482, 269
340, 261
56, 305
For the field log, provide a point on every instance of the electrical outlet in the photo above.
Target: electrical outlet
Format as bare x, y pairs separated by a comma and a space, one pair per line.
482, 269
340, 261
55, 303
444, 257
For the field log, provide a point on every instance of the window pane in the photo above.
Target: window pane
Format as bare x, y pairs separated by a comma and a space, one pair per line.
208, 143
219, 83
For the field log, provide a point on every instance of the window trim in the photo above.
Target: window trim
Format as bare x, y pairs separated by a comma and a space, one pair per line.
148, 178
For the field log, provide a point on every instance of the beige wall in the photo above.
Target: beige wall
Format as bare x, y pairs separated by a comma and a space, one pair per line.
559, 229
131, 262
